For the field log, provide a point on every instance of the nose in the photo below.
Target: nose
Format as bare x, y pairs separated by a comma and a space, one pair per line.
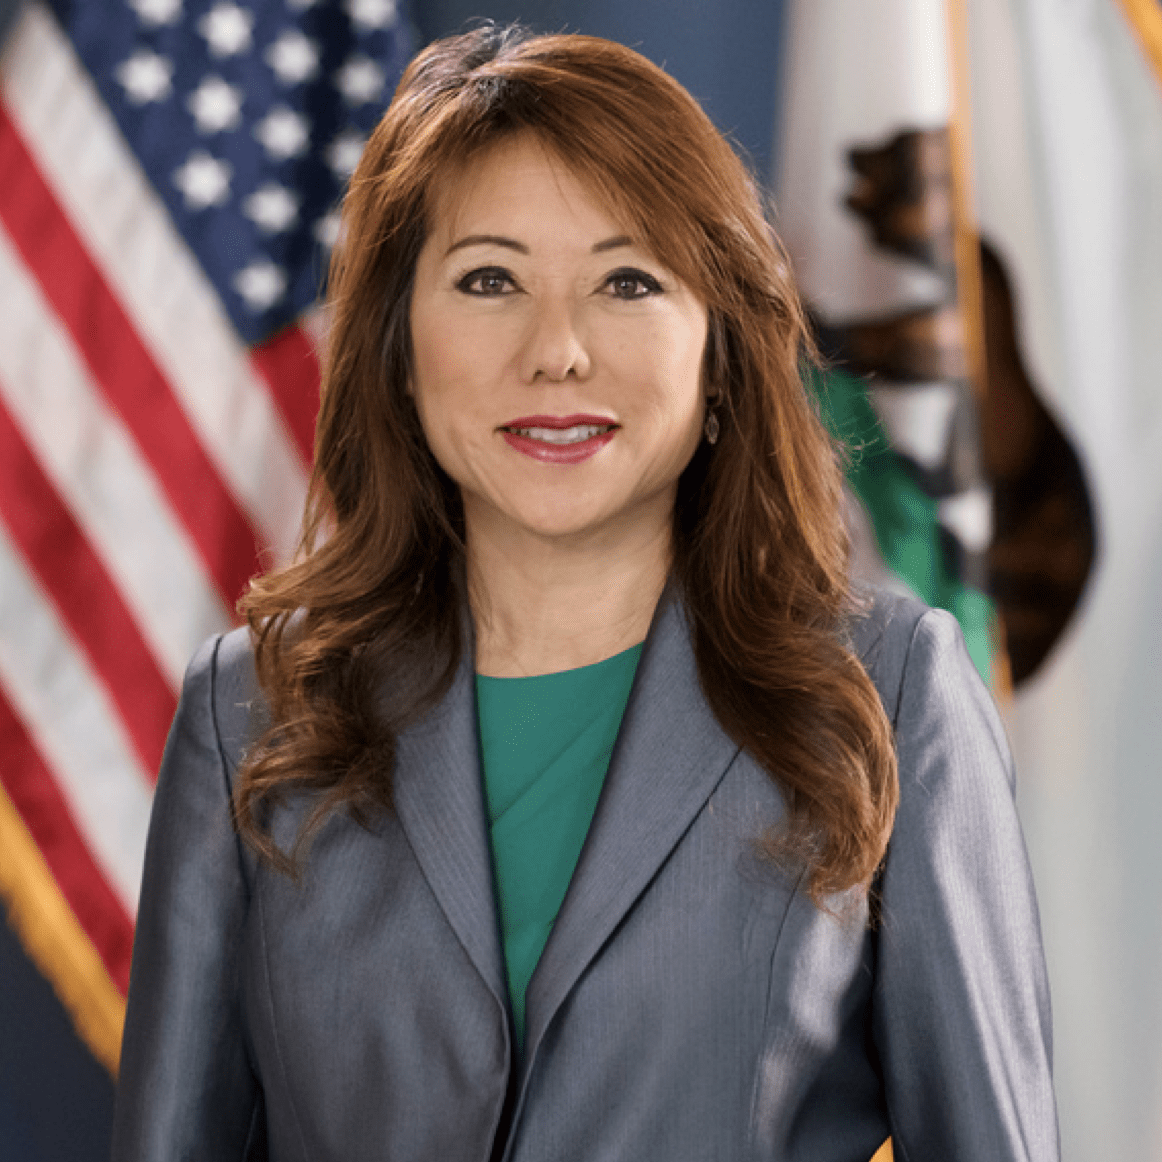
553, 348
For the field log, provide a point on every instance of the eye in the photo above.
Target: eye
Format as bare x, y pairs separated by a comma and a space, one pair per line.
488, 280
629, 283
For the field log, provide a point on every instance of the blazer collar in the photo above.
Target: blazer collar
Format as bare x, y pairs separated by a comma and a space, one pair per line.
438, 795
670, 755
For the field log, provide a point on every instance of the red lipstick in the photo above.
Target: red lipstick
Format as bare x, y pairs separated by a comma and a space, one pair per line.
530, 435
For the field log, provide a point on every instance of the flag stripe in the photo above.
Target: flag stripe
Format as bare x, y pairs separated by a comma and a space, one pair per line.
94, 465
70, 573
100, 184
55, 941
291, 370
124, 369
74, 726
50, 822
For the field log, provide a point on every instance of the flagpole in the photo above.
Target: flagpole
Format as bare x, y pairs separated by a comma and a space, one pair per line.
1145, 17
969, 285
968, 274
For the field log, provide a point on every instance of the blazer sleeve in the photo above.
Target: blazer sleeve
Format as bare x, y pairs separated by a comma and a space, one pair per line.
186, 1089
961, 1003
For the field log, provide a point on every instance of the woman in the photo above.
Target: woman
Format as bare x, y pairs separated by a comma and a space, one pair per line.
571, 500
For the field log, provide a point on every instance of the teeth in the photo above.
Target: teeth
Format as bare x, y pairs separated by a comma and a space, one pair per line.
572, 435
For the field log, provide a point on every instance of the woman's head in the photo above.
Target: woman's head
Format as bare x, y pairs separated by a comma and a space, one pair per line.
653, 162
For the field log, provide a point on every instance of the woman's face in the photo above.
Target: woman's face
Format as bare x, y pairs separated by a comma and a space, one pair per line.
557, 364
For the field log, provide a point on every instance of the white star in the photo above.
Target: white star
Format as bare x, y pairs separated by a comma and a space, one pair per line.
215, 105
327, 229
293, 57
261, 284
204, 180
273, 208
371, 14
157, 12
360, 80
146, 77
227, 29
283, 132
344, 152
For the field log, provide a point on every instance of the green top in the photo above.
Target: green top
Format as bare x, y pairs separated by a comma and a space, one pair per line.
546, 743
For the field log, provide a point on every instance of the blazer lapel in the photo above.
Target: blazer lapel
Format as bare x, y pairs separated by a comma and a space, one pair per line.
670, 755
439, 798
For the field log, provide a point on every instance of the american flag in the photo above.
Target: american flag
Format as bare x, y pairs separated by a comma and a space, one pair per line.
169, 173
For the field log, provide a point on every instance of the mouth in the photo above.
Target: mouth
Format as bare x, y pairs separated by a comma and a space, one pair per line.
571, 435
559, 439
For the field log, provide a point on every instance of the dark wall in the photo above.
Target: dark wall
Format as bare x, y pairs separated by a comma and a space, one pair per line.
7, 15
724, 51
56, 1102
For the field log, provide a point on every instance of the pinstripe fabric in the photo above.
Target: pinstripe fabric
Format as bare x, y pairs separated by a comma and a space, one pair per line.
691, 1002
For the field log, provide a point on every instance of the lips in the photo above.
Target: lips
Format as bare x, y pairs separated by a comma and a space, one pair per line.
559, 439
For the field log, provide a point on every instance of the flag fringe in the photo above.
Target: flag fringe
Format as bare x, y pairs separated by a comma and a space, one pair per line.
1145, 17
55, 942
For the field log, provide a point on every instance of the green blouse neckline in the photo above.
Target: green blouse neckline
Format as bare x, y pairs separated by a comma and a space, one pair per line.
546, 742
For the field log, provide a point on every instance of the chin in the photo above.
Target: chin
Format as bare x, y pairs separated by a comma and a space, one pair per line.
561, 529
562, 523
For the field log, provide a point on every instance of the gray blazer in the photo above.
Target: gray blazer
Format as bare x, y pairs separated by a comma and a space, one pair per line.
691, 1004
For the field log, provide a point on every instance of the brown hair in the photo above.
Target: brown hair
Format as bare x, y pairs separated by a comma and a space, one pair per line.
760, 551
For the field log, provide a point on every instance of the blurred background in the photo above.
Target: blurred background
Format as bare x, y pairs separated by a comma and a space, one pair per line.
970, 192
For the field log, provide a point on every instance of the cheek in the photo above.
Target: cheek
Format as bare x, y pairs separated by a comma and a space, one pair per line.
428, 389
429, 358
687, 393
676, 368
453, 363
664, 358
436, 373
451, 403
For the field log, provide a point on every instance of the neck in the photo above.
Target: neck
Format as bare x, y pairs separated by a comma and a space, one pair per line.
546, 605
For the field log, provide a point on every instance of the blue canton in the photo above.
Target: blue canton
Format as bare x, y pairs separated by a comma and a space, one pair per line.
248, 119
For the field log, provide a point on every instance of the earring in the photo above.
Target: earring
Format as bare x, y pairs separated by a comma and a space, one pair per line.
711, 427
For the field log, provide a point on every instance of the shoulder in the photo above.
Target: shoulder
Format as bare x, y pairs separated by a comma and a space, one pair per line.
221, 692
214, 723
880, 633
930, 690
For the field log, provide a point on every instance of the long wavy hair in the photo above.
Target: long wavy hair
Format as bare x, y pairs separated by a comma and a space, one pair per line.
364, 631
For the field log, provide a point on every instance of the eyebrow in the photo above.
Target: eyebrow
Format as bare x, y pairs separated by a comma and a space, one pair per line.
521, 248
612, 243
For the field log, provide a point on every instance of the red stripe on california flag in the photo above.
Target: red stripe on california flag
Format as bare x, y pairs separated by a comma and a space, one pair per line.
288, 364
46, 814
124, 369
71, 574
